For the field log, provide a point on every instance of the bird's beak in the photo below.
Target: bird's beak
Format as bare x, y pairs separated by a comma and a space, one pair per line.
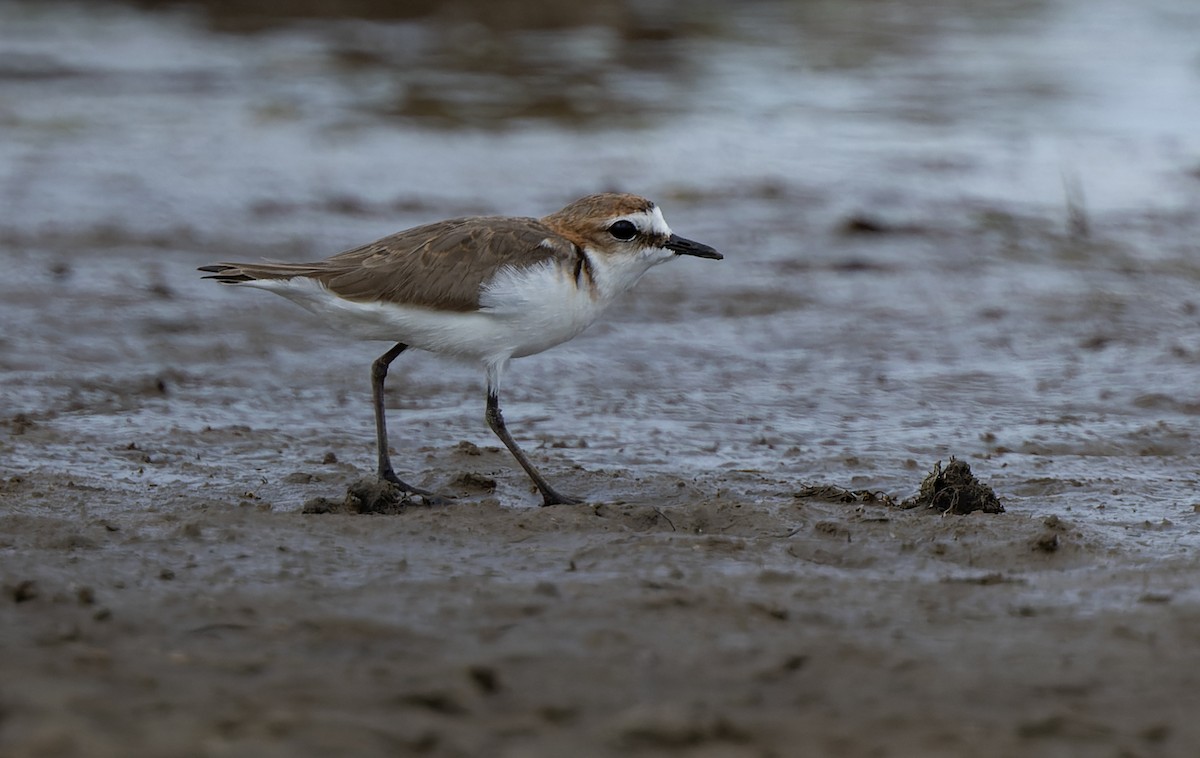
681, 246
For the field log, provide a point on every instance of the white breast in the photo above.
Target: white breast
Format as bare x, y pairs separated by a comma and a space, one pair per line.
544, 305
540, 306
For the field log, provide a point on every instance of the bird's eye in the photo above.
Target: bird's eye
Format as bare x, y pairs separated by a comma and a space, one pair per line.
623, 230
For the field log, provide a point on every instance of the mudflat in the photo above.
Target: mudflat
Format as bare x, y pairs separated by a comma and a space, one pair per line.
165, 591
952, 231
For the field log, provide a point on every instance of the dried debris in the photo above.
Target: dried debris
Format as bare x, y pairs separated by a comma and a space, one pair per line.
835, 494
954, 489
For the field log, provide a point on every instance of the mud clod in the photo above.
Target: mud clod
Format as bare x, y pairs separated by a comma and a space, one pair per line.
437, 701
24, 591
1047, 542
954, 489
320, 505
468, 448
470, 481
375, 496
20, 423
485, 678
364, 496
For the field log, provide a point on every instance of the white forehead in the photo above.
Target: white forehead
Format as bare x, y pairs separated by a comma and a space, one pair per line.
648, 222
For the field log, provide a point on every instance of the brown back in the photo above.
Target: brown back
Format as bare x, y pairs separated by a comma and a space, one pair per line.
441, 265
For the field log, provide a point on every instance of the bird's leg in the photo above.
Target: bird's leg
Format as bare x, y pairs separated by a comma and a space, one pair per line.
495, 420
379, 370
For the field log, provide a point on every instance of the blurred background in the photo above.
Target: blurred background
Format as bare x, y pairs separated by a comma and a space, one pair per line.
951, 226
165, 118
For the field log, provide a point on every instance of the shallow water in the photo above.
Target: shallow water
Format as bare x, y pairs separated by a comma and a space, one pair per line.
949, 230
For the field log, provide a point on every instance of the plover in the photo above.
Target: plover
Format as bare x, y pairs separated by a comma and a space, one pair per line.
488, 288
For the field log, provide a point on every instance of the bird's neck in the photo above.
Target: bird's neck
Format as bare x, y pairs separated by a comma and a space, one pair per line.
614, 275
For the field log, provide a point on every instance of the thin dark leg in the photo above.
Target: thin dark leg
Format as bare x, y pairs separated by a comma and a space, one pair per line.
495, 420
379, 370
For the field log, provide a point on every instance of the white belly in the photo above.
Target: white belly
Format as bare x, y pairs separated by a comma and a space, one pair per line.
521, 313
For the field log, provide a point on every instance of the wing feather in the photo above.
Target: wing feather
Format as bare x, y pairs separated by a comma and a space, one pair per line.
442, 265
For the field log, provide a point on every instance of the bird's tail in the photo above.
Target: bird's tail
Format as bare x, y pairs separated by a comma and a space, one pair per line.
239, 273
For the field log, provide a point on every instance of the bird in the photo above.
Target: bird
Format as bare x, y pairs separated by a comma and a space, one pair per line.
484, 288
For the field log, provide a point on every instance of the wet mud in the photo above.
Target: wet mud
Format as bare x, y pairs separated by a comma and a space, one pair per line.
195, 561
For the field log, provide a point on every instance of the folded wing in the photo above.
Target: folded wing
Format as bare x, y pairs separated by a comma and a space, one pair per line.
442, 265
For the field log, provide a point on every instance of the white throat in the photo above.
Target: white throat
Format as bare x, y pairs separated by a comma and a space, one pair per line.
617, 272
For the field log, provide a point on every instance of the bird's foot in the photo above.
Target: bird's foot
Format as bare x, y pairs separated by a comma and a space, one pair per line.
427, 497
551, 497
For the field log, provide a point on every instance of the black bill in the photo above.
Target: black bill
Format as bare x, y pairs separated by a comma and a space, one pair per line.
681, 246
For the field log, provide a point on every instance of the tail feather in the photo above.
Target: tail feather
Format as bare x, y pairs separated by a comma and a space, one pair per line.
238, 273
226, 273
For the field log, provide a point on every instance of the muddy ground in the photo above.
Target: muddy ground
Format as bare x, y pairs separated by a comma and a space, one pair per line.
951, 230
718, 616
164, 593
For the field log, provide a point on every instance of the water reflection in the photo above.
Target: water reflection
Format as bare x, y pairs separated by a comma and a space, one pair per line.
621, 64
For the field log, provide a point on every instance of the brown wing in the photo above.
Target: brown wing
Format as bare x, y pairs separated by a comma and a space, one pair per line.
442, 265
